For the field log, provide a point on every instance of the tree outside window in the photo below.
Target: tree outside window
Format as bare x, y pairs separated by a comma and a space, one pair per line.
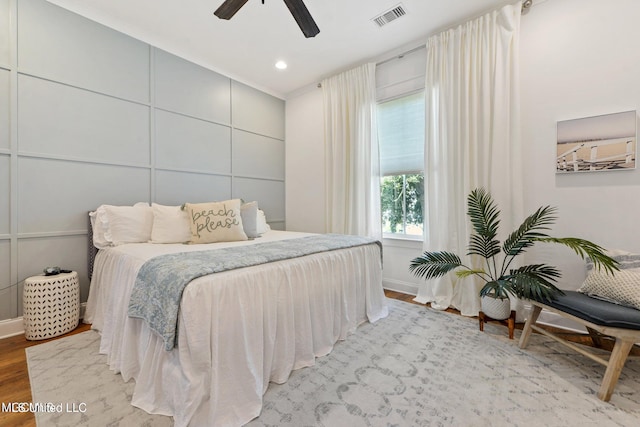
402, 198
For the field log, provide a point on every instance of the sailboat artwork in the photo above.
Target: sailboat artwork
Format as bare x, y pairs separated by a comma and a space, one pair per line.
600, 143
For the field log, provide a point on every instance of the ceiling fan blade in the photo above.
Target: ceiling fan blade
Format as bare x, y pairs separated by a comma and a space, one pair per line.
303, 17
229, 8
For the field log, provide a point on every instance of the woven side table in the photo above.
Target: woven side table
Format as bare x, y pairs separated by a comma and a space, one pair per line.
51, 305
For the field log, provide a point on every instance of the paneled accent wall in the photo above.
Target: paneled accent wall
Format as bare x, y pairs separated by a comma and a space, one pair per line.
89, 116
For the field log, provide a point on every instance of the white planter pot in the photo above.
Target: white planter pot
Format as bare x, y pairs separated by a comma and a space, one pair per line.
496, 308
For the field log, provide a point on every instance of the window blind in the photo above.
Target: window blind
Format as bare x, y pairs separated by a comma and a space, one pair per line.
401, 135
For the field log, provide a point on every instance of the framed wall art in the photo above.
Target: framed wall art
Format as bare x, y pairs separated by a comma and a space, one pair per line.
600, 143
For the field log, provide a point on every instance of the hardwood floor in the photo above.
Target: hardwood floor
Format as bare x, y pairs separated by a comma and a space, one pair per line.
14, 376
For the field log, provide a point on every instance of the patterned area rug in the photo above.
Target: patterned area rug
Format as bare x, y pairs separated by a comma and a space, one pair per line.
418, 367
71, 385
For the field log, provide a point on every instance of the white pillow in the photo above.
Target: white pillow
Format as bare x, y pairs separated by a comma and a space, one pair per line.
100, 226
623, 287
170, 224
249, 213
262, 225
215, 222
129, 224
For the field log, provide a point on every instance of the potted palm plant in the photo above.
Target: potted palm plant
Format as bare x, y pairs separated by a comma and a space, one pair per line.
533, 281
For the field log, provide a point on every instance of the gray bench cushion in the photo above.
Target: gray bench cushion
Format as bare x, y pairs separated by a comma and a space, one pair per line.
596, 311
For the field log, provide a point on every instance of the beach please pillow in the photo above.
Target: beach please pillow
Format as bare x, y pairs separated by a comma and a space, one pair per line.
215, 221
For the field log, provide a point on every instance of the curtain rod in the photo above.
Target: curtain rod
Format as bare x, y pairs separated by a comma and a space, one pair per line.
526, 6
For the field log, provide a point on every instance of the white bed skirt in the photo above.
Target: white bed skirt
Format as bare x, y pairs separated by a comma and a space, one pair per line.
237, 330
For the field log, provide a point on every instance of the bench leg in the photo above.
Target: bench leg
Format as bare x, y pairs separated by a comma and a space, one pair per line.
614, 367
595, 337
526, 331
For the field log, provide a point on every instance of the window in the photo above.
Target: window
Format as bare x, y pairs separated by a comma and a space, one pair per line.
402, 199
401, 137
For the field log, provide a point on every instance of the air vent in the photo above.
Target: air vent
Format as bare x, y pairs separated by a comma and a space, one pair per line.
390, 15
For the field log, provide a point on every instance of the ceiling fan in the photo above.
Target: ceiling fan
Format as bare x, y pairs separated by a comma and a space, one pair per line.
296, 7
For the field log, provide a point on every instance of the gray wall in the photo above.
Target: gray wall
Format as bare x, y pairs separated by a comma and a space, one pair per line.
91, 116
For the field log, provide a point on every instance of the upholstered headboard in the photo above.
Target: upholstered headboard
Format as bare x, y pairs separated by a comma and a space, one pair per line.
92, 250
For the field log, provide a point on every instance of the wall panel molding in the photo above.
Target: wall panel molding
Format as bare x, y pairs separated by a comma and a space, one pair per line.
5, 264
257, 156
177, 188
5, 33
5, 194
90, 116
184, 142
257, 112
5, 115
82, 124
269, 195
202, 93
66, 47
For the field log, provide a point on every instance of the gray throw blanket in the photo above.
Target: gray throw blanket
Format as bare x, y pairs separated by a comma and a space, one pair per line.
161, 280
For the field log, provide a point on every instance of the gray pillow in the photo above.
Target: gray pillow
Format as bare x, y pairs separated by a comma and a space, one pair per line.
249, 214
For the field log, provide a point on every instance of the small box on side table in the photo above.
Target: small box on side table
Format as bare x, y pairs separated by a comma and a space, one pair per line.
51, 305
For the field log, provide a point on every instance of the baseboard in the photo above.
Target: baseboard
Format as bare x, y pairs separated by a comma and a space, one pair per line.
13, 327
400, 286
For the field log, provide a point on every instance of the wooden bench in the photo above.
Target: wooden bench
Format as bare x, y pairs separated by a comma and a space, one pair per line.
600, 318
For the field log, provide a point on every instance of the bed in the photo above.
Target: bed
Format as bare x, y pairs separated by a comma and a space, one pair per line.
237, 330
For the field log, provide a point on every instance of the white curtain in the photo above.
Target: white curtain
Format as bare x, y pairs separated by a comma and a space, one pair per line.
352, 158
472, 140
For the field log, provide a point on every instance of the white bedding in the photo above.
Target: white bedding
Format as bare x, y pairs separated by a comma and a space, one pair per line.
237, 330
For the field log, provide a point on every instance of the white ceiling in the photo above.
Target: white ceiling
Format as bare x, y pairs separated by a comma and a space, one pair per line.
246, 47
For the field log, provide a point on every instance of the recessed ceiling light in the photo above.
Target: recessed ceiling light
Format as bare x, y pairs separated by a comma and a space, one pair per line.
281, 65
